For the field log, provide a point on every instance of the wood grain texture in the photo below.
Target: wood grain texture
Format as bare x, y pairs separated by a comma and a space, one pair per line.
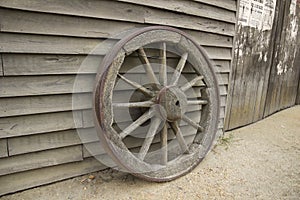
275, 81
39, 123
1, 66
41, 159
18, 21
221, 123
227, 4
28, 43
92, 149
123, 12
223, 100
3, 148
210, 39
41, 142
231, 73
250, 77
94, 9
297, 63
298, 95
64, 84
20, 181
222, 112
284, 75
44, 85
44, 104
35, 64
216, 53
21, 43
44, 44
265, 76
190, 8
222, 66
208, 25
41, 64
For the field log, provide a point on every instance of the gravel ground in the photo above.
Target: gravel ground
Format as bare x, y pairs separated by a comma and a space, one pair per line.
260, 161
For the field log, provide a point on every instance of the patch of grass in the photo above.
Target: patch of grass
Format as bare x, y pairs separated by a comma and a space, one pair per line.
226, 140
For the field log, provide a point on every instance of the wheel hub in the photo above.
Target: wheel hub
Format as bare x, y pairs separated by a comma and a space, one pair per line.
173, 103
167, 135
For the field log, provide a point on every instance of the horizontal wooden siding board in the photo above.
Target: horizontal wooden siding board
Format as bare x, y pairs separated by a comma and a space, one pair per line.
41, 142
41, 44
123, 12
190, 8
3, 148
18, 21
35, 64
41, 159
12, 106
1, 66
39, 123
20, 181
16, 106
226, 4
44, 85
38, 44
64, 84
40, 61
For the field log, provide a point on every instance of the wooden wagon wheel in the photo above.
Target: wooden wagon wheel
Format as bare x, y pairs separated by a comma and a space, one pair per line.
171, 139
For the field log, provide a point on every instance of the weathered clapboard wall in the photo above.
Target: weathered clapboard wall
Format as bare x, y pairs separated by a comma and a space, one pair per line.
265, 70
42, 45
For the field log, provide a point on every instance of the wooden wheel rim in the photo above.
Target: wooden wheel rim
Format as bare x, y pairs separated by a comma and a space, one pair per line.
103, 92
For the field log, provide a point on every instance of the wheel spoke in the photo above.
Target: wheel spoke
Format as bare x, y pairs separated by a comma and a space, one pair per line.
192, 123
133, 104
147, 115
149, 138
198, 102
179, 69
163, 69
164, 144
179, 136
191, 83
163, 133
147, 66
137, 86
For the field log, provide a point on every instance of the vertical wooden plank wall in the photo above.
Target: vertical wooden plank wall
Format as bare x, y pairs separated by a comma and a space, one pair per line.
298, 97
265, 70
284, 76
42, 45
297, 61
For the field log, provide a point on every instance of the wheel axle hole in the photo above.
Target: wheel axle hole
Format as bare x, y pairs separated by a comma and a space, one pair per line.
177, 103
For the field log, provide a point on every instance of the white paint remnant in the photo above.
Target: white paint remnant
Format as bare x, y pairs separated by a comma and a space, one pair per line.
294, 21
288, 51
294, 30
266, 57
293, 7
260, 57
238, 52
280, 68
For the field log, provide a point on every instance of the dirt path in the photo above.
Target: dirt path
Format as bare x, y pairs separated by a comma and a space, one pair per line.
260, 161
